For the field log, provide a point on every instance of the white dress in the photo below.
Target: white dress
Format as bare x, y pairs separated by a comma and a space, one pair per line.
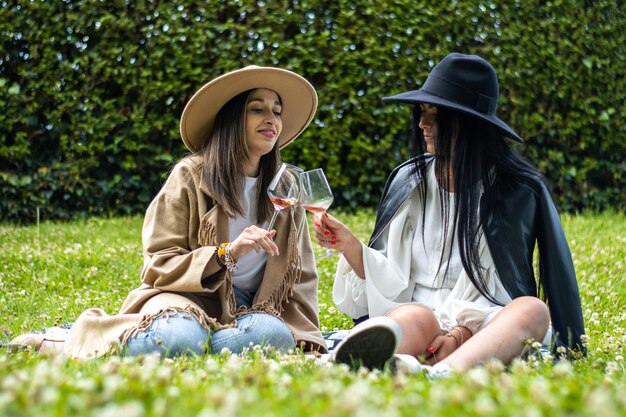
403, 268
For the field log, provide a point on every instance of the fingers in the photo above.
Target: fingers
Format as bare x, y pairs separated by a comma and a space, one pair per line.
254, 238
323, 236
438, 349
329, 220
433, 348
326, 239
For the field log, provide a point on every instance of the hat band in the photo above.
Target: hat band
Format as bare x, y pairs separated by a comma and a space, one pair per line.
445, 89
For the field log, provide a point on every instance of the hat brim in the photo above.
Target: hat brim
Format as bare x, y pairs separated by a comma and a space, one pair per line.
297, 95
418, 96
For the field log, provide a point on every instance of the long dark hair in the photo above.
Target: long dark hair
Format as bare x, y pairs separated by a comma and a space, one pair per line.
481, 159
225, 154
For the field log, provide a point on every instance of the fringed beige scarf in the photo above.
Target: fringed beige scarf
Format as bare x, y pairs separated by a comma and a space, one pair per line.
292, 265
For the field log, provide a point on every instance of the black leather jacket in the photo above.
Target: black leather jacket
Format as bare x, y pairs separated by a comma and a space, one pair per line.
523, 216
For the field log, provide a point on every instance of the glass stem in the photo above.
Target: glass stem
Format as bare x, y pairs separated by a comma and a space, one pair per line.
273, 220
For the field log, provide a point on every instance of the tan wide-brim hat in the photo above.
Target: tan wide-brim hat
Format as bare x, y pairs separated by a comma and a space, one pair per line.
297, 95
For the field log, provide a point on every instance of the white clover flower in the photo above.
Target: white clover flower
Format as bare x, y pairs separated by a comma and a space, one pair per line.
233, 364
129, 409
531, 410
479, 376
6, 398
209, 412
519, 366
152, 358
86, 384
356, 393
163, 374
285, 380
563, 369
373, 376
600, 399
49, 395
173, 391
484, 405
112, 384
613, 367
459, 395
190, 378
211, 364
494, 366
439, 394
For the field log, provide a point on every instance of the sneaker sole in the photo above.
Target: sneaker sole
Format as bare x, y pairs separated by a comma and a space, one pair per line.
371, 348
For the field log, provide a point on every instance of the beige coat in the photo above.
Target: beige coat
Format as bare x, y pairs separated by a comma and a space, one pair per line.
181, 230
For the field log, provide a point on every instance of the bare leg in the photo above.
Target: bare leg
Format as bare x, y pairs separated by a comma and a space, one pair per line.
419, 326
505, 335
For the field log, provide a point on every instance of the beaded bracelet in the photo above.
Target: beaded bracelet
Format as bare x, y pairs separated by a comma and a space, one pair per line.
455, 339
231, 263
224, 258
218, 258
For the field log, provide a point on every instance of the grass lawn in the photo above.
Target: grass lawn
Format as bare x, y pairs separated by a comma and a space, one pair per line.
50, 273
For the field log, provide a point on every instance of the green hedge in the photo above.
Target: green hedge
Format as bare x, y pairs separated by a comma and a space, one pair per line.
91, 91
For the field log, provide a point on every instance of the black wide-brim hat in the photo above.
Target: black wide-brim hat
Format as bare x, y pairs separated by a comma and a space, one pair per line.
466, 83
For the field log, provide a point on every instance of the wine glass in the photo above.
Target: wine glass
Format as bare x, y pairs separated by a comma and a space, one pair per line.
284, 189
316, 196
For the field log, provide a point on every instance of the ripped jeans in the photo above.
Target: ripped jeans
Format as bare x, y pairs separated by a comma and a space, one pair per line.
181, 334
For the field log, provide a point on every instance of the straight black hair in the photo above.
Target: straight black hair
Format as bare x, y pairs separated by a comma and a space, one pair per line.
480, 158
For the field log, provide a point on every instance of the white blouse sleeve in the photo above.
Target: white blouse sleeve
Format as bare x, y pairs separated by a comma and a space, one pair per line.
349, 293
387, 281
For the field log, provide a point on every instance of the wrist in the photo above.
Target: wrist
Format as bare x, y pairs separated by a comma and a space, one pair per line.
224, 257
465, 332
352, 246
460, 334
458, 340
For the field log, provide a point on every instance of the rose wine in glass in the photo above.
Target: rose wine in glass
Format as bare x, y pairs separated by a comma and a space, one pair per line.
316, 196
284, 189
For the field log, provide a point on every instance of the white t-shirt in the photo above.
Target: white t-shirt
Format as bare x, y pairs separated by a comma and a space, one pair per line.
251, 266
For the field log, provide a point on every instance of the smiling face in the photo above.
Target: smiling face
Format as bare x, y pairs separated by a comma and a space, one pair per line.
428, 124
263, 123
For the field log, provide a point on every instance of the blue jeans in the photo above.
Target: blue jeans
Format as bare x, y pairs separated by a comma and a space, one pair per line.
182, 334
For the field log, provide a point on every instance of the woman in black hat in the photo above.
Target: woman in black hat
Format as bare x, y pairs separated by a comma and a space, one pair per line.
447, 276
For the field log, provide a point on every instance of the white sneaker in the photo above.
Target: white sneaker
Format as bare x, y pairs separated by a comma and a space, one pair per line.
408, 364
370, 344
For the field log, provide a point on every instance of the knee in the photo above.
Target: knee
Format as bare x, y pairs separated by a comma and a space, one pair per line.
534, 307
415, 316
535, 312
272, 332
170, 336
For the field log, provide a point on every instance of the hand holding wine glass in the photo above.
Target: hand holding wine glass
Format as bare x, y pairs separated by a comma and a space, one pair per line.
284, 190
316, 195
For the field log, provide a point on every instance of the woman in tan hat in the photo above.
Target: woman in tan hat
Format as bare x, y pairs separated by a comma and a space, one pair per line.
214, 277
448, 274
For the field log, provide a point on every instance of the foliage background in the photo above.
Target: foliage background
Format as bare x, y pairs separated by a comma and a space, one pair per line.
91, 91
